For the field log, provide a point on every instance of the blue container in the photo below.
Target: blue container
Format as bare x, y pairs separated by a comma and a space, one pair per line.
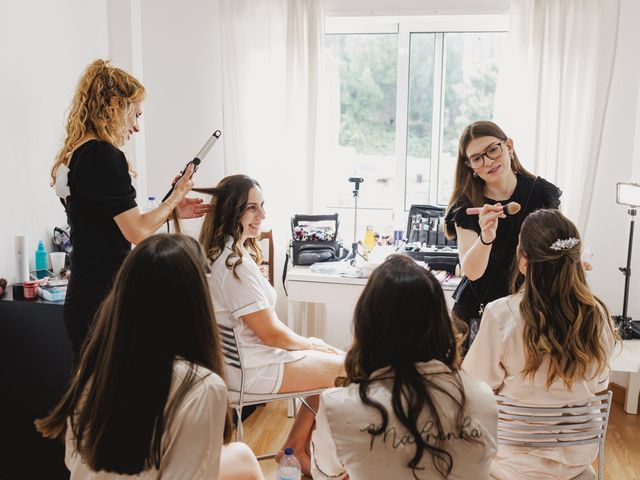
41, 257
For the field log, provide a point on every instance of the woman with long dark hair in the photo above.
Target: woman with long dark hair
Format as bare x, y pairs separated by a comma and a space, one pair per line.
148, 398
489, 175
276, 359
547, 345
404, 409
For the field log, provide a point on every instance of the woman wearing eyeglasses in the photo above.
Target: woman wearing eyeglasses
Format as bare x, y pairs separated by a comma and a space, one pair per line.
489, 175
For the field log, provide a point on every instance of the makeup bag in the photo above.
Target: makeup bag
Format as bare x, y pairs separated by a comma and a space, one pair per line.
315, 239
425, 225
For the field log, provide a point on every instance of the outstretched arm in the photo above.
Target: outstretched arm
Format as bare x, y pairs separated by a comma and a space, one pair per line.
136, 226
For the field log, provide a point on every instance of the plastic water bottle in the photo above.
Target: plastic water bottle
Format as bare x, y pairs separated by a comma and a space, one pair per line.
41, 257
151, 204
288, 467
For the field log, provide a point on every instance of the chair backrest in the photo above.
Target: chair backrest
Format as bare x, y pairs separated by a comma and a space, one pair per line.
230, 349
555, 427
268, 261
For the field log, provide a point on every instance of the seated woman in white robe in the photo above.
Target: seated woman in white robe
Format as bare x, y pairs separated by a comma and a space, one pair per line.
405, 410
548, 345
276, 359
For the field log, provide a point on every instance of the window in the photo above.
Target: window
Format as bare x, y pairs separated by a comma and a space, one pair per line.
398, 94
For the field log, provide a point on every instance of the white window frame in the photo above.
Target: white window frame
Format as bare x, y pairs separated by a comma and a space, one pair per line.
404, 27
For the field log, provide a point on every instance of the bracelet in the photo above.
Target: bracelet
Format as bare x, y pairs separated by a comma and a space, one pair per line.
486, 243
171, 207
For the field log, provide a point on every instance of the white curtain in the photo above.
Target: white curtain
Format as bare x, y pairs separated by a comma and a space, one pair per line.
271, 59
553, 90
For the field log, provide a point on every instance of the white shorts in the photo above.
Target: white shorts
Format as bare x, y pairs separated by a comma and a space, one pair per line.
258, 380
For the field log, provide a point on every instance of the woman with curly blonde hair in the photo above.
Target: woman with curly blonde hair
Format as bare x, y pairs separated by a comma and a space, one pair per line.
92, 177
548, 345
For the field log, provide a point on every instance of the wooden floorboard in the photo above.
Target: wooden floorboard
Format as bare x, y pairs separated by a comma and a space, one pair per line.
267, 428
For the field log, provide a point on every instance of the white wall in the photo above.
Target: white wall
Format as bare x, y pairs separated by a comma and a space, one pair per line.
181, 58
175, 52
44, 47
608, 226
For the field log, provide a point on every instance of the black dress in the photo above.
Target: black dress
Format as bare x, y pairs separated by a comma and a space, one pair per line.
532, 194
101, 188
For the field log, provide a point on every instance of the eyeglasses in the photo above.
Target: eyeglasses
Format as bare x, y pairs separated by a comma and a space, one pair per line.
493, 152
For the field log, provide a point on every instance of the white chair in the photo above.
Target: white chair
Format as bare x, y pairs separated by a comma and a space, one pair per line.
556, 427
233, 358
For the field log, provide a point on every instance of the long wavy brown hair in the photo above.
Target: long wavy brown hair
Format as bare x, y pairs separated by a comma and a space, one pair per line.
104, 98
465, 184
564, 320
229, 199
118, 401
401, 319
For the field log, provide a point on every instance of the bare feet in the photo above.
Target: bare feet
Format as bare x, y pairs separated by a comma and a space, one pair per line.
305, 463
279, 455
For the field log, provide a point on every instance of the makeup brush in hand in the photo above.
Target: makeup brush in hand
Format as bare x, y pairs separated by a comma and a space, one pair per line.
510, 208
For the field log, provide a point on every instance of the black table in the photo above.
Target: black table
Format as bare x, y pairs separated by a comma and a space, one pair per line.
35, 363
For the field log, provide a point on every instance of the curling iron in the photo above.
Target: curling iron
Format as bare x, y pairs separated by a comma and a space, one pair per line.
198, 158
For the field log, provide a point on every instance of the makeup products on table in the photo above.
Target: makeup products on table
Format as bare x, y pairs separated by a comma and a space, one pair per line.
30, 289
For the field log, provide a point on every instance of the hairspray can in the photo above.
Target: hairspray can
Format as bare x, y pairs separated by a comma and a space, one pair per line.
22, 260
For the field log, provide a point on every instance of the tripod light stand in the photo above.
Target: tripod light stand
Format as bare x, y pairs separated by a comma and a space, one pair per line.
353, 254
628, 194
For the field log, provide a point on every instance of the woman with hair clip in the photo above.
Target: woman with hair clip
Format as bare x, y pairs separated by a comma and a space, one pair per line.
92, 177
547, 345
275, 358
149, 399
405, 411
489, 175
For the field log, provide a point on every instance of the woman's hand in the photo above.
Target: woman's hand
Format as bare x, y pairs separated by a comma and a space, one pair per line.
193, 208
184, 184
320, 346
488, 221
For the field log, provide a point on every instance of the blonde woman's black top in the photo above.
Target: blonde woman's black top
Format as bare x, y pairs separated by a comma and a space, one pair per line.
101, 189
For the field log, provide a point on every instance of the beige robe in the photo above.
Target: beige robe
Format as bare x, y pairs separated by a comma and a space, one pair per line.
191, 447
341, 445
497, 357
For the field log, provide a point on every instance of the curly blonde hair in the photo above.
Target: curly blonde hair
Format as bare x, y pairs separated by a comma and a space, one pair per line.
104, 98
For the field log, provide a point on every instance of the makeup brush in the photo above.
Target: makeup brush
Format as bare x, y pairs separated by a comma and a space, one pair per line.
510, 208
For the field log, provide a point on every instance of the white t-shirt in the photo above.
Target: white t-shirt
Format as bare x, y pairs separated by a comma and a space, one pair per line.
341, 445
497, 357
193, 442
235, 297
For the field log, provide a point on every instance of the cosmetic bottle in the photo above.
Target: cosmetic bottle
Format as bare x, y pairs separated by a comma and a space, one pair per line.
41, 257
369, 240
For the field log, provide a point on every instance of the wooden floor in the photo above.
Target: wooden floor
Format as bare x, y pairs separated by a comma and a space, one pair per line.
266, 431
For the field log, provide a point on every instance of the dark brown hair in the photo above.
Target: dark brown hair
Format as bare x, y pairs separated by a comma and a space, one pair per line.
465, 184
118, 401
564, 320
229, 199
401, 319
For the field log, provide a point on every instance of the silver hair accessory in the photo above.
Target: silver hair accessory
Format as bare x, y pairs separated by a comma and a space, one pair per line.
564, 244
